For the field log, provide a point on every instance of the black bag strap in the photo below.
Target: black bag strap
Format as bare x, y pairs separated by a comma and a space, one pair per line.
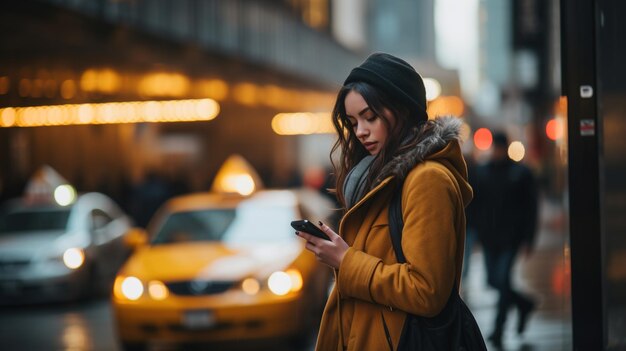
396, 223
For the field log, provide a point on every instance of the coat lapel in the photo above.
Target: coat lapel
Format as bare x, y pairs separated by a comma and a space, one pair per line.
356, 214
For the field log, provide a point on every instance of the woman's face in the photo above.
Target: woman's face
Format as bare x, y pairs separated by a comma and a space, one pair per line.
368, 127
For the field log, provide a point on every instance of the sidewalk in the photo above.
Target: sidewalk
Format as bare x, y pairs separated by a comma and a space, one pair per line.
545, 275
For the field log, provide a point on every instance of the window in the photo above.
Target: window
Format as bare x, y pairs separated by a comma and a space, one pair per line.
34, 220
205, 225
99, 219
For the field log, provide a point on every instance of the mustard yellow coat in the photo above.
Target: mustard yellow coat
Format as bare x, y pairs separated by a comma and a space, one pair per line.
371, 288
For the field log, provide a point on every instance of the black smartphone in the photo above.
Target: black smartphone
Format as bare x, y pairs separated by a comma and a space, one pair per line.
306, 226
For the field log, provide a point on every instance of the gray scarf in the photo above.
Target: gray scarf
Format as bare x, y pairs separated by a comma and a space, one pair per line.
354, 186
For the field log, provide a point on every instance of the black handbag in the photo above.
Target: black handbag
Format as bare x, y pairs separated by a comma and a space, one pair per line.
454, 328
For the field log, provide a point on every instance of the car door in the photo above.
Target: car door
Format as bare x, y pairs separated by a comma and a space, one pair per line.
114, 225
103, 243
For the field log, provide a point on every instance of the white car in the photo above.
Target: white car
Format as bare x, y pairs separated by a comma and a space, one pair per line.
50, 252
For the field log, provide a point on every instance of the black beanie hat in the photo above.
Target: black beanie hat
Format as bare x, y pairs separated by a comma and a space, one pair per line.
396, 78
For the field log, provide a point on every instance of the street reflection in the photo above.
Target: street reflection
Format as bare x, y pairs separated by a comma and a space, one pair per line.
76, 336
561, 276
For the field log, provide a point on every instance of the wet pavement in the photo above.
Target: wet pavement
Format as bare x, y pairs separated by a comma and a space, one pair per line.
88, 326
545, 275
78, 326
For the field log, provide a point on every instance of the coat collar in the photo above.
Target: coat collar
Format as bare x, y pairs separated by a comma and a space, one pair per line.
435, 135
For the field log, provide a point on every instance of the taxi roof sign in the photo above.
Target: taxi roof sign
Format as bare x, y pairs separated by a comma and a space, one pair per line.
44, 186
236, 176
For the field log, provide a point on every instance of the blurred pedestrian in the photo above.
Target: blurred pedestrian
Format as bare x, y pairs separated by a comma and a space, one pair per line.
506, 209
147, 197
388, 145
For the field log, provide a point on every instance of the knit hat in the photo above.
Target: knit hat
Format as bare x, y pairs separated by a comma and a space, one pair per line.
396, 78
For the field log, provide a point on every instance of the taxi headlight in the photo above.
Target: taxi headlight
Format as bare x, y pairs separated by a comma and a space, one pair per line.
296, 279
250, 286
130, 288
73, 258
64, 194
281, 283
157, 290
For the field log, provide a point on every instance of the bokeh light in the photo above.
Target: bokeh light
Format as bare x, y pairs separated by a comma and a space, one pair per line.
250, 286
279, 283
157, 290
111, 112
445, 106
483, 139
302, 123
239, 183
73, 258
132, 288
554, 129
64, 194
516, 151
433, 88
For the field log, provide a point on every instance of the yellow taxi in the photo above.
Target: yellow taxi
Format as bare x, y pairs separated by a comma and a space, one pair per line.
223, 266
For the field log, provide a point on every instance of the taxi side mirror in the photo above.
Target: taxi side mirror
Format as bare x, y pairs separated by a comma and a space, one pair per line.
135, 237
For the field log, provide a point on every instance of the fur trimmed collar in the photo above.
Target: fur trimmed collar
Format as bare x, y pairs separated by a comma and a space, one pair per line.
439, 132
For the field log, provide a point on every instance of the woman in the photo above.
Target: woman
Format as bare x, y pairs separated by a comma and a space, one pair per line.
387, 141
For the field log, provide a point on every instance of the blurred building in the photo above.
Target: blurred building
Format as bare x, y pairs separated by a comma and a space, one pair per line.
85, 85
88, 86
518, 85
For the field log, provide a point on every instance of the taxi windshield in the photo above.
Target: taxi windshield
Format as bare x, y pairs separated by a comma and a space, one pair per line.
206, 225
34, 220
246, 224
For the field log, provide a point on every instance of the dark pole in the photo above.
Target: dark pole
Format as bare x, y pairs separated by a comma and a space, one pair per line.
578, 37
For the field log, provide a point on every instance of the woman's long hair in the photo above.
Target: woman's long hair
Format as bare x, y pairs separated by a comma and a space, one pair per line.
403, 136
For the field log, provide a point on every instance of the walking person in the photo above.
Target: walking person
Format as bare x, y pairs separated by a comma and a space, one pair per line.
387, 144
506, 210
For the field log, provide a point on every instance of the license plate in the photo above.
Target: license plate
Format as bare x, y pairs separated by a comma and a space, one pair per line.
198, 319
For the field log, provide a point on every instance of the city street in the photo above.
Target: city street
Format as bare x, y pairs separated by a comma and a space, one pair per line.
85, 326
88, 325
73, 326
153, 154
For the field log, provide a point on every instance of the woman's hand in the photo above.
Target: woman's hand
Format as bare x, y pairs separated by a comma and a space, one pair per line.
328, 252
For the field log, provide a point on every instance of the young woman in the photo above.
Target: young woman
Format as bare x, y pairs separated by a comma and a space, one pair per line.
387, 142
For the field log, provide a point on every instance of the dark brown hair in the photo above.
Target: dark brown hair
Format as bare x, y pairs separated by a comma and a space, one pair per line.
401, 137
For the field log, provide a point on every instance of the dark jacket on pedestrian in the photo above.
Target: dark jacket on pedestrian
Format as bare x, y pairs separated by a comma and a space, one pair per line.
505, 205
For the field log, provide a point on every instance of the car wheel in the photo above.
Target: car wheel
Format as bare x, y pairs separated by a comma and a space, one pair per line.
134, 346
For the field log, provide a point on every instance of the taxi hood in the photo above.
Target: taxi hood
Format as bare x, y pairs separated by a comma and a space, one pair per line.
211, 261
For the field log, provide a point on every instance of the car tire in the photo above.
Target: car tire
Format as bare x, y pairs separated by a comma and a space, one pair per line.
134, 346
